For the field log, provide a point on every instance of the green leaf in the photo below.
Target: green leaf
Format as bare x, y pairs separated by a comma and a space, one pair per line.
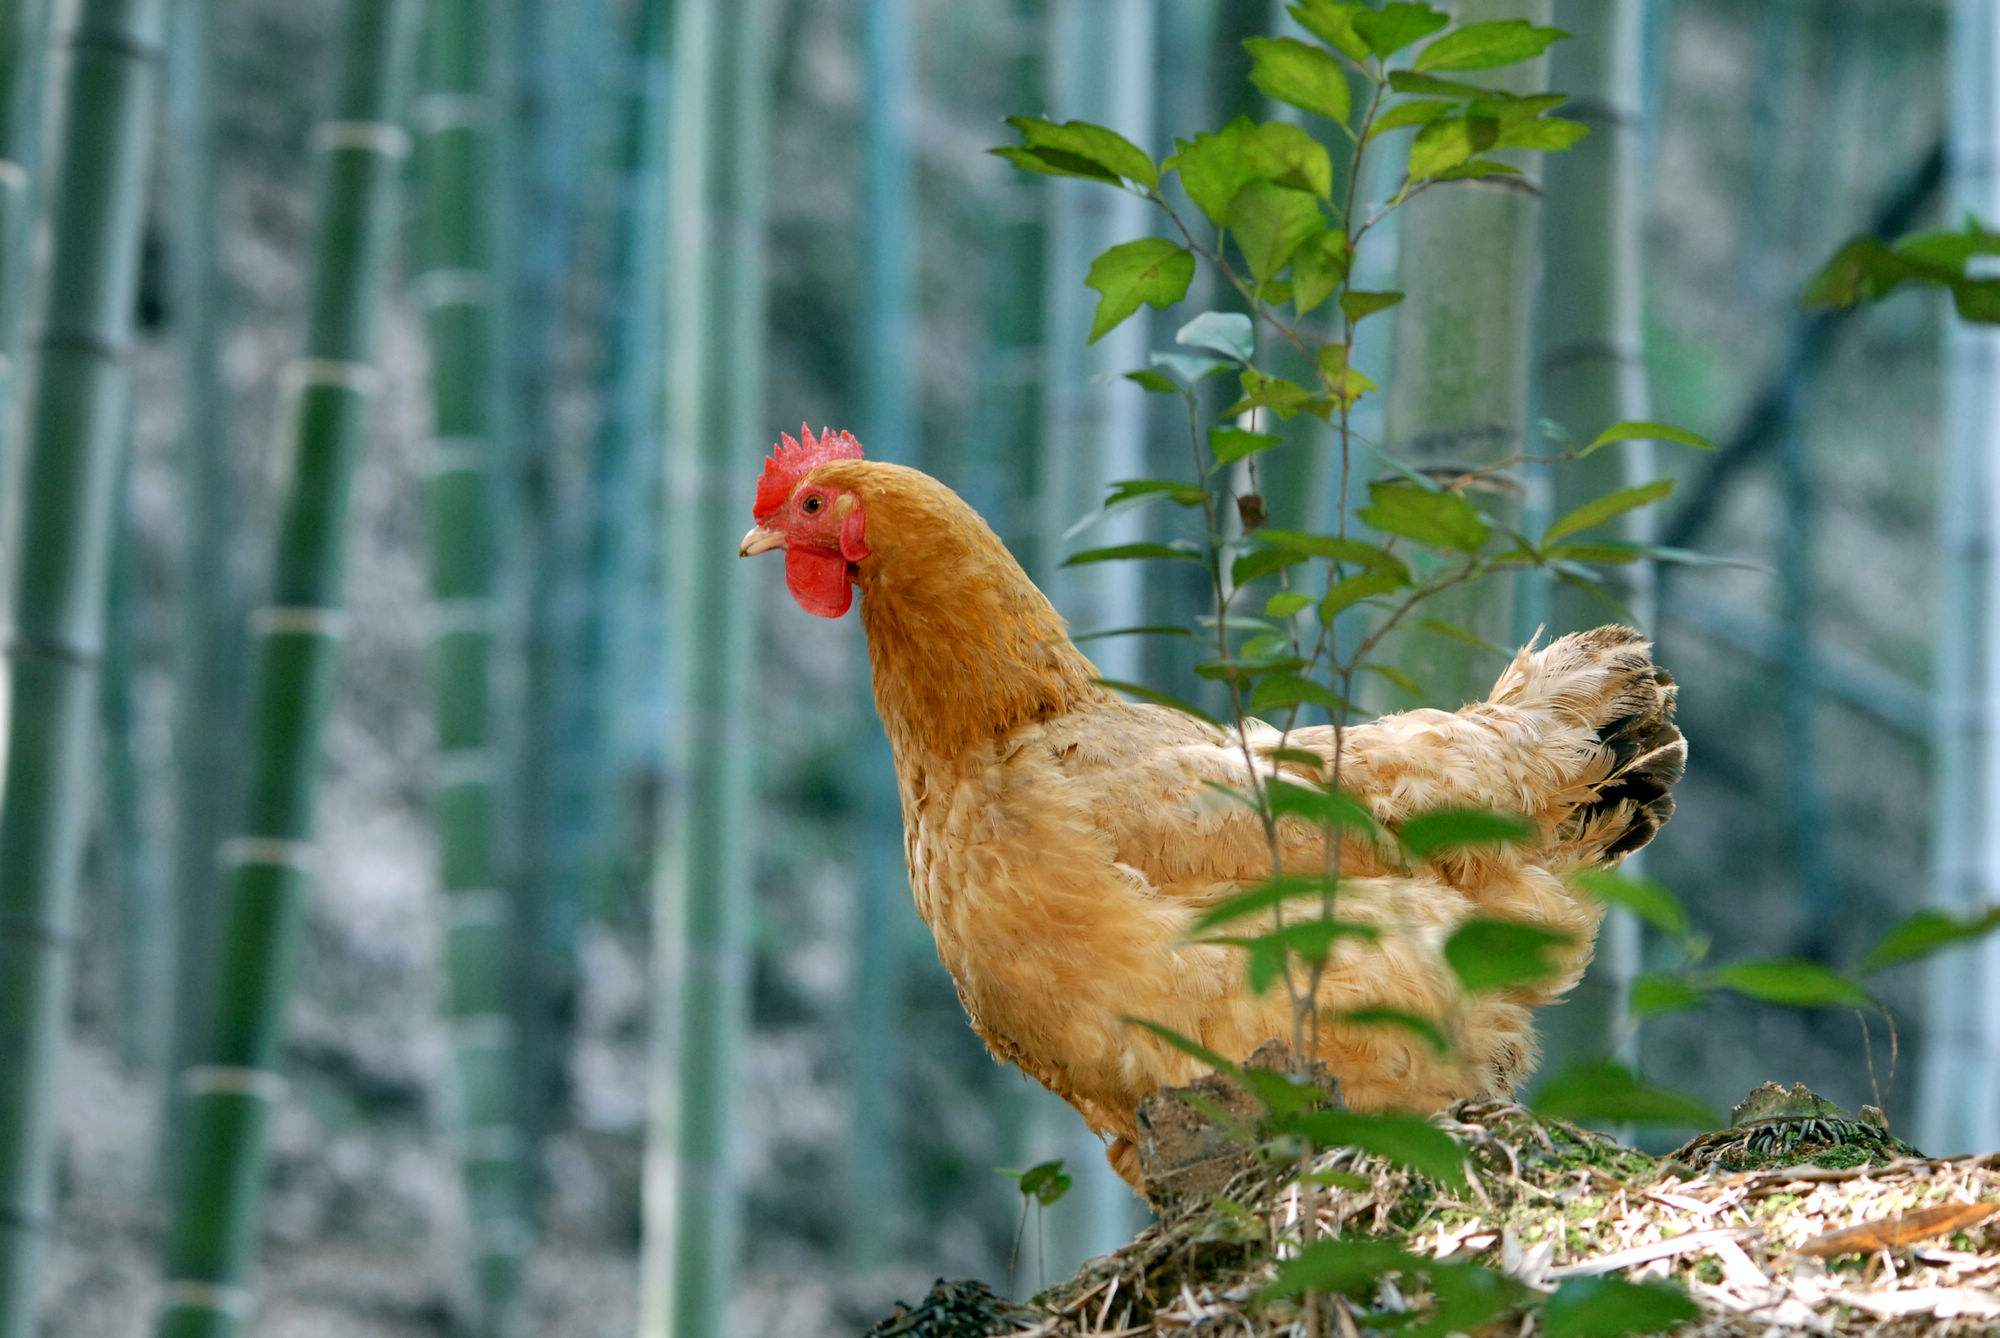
1345, 594
1173, 490
1477, 169
1446, 830
1488, 954
1351, 1265
1428, 85
1791, 983
1126, 552
1053, 163
1261, 898
1409, 1141
1230, 444
1345, 383
1463, 636
1281, 692
1334, 549
1441, 519
1389, 673
1192, 1048
1643, 897
1106, 149
1045, 1183
1420, 111
1308, 940
1394, 26
1150, 629
1283, 398
1226, 332
1332, 21
1286, 603
1653, 995
1638, 429
1487, 46
1260, 562
1609, 1093
1924, 933
1283, 1093
1270, 222
1146, 694
1547, 134
1608, 1307
1156, 382
1595, 512
1214, 167
1422, 1028
1449, 142
1324, 808
1151, 270
1302, 75
1287, 155
1358, 306
1319, 267
1190, 369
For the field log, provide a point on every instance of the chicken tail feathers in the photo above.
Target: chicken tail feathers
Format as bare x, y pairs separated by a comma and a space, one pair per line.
1605, 681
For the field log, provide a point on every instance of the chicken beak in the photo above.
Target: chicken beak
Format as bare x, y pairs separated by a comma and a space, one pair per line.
760, 540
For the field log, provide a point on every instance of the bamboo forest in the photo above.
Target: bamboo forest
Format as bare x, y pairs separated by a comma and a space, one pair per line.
692, 668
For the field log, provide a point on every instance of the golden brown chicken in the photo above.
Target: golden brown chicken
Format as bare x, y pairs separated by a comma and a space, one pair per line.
1061, 840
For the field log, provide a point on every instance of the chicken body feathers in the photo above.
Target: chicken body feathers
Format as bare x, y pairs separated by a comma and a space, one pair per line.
1062, 841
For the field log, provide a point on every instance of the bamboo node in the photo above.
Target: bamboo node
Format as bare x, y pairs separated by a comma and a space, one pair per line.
436, 113
298, 620
457, 455
383, 137
283, 852
234, 1080
448, 287
190, 1294
337, 373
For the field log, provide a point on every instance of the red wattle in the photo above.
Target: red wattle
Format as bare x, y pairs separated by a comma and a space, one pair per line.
818, 581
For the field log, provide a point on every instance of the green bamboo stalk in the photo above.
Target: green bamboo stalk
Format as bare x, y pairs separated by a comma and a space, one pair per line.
1957, 1109
460, 285
126, 856
1593, 374
228, 1092
627, 433
210, 657
882, 909
23, 65
64, 490
717, 331
545, 884
1100, 62
1459, 396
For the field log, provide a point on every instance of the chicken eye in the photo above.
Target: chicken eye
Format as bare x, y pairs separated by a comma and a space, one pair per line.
812, 504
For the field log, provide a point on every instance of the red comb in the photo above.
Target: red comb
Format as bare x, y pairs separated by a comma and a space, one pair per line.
792, 459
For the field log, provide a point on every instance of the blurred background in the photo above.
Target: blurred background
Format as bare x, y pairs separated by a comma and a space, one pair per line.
693, 225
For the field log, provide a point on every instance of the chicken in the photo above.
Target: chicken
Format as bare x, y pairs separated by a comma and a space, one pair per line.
1061, 840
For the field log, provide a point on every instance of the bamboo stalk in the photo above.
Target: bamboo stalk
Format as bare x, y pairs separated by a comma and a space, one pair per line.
1100, 62
888, 411
64, 485
720, 129
210, 657
627, 433
460, 286
23, 65
544, 877
1592, 374
1958, 1109
230, 1088
1459, 396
